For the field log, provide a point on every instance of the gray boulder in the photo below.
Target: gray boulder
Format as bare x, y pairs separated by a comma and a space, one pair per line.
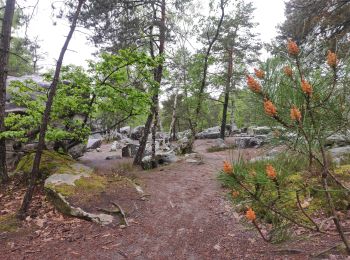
220, 143
337, 140
184, 146
93, 143
126, 130
249, 141
160, 158
130, 150
210, 133
77, 150
137, 132
340, 153
259, 130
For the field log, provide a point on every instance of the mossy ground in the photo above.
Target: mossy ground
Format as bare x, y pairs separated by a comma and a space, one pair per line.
9, 223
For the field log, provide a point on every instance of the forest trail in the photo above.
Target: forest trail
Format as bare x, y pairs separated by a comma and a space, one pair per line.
186, 216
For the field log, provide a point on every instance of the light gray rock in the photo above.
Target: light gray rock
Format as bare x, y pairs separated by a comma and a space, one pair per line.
337, 140
259, 130
340, 152
93, 143
77, 150
113, 157
184, 146
126, 130
210, 133
220, 143
137, 132
249, 141
129, 150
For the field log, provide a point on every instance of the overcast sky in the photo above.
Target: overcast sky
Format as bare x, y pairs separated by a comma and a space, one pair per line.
268, 13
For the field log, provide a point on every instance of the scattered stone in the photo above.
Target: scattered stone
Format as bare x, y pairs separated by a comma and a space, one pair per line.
113, 157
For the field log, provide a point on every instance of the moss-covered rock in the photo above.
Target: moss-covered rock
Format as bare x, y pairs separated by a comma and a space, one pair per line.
51, 161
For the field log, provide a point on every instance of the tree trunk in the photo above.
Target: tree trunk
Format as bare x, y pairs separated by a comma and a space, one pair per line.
172, 133
46, 118
205, 71
4, 57
158, 74
227, 92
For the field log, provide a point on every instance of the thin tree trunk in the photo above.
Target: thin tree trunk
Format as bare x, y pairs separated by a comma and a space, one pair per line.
205, 71
46, 118
4, 57
227, 92
172, 133
158, 74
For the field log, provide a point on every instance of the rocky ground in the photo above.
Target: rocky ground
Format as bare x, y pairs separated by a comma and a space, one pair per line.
183, 214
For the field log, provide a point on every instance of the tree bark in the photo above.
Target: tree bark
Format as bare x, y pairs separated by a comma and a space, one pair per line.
4, 57
158, 74
172, 133
227, 92
46, 118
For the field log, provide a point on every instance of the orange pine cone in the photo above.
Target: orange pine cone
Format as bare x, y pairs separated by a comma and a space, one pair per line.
288, 71
253, 84
332, 59
271, 172
292, 48
306, 87
259, 73
250, 214
270, 108
295, 114
227, 168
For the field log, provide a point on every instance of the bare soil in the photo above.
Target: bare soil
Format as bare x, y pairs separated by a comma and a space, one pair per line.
185, 214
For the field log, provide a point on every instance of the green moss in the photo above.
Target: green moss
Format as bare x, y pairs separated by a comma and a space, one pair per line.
343, 172
50, 161
9, 223
85, 185
91, 183
64, 189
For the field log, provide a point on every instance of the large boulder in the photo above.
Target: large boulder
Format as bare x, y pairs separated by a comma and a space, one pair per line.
137, 132
126, 130
210, 133
93, 143
67, 180
183, 134
337, 140
259, 130
340, 153
184, 146
129, 150
77, 150
160, 158
249, 141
